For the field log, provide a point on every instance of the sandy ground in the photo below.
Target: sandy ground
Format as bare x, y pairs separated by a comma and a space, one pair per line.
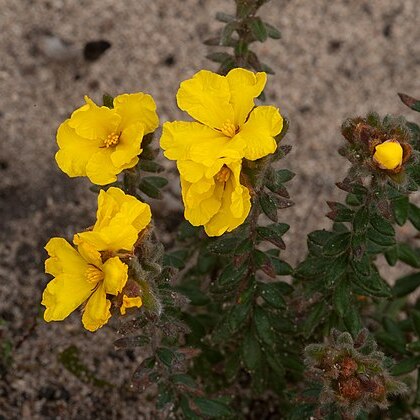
336, 59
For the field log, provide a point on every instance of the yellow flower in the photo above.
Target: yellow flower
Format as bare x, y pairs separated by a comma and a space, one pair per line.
99, 142
229, 125
209, 152
213, 196
119, 220
388, 155
81, 276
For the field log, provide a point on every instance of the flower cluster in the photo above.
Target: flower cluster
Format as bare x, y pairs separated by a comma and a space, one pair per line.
209, 151
96, 267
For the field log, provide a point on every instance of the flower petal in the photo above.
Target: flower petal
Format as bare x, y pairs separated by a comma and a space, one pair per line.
244, 87
196, 142
100, 169
235, 205
202, 200
97, 310
389, 154
63, 259
94, 122
63, 295
206, 98
137, 108
115, 275
88, 251
129, 145
75, 151
114, 206
130, 302
258, 133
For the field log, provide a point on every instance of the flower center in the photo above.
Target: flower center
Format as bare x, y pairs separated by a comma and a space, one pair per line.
111, 140
223, 175
228, 128
94, 275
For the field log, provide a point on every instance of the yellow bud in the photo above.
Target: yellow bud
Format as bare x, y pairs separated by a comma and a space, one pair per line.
388, 155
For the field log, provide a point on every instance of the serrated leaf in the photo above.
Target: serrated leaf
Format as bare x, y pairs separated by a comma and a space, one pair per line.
272, 293
380, 239
405, 285
372, 285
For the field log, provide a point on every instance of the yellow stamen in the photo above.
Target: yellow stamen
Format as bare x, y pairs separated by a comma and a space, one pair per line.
94, 275
223, 175
228, 128
112, 140
130, 302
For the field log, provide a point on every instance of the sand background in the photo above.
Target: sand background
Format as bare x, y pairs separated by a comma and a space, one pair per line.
335, 59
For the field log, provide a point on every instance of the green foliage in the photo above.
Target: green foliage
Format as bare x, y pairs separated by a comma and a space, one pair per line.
239, 33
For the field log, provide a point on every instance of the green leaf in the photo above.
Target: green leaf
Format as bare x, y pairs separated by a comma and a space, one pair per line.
372, 285
258, 29
414, 215
237, 316
272, 31
212, 408
272, 293
405, 285
264, 263
311, 267
361, 219
251, 352
219, 57
412, 103
175, 259
131, 342
224, 17
273, 233
342, 297
166, 356
339, 212
108, 101
149, 166
415, 318
391, 255
226, 36
231, 276
352, 320
405, 366
400, 209
284, 175
223, 245
268, 206
156, 181
338, 244
186, 409
185, 380
315, 317
379, 238
281, 268
381, 225
264, 328
408, 255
